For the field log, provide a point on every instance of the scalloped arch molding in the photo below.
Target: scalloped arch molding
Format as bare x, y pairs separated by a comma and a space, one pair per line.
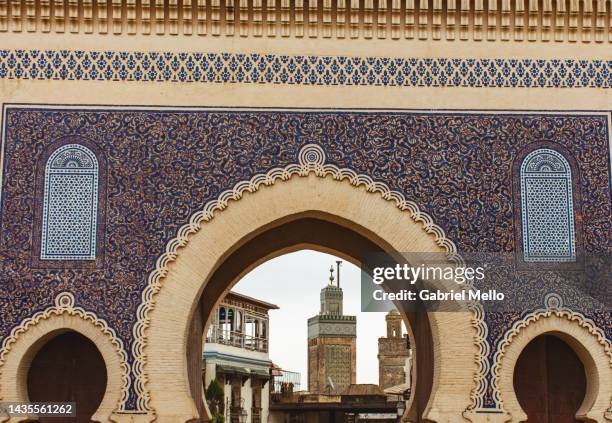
61, 315
571, 322
311, 160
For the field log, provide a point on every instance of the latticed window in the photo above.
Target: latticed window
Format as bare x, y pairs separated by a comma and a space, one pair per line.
70, 205
547, 208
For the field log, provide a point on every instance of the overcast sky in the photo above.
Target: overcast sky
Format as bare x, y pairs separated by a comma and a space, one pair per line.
293, 282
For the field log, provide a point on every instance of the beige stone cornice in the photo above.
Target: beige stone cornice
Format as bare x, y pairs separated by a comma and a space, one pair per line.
524, 21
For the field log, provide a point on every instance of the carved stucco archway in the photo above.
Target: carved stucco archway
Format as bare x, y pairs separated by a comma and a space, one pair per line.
19, 349
310, 186
322, 232
589, 343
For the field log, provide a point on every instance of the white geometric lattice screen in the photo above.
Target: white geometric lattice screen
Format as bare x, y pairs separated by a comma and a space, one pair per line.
70, 205
547, 208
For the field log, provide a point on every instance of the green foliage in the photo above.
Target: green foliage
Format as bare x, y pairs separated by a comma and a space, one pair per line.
214, 397
214, 391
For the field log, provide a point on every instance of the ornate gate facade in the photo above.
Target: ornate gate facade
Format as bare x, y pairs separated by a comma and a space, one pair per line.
179, 132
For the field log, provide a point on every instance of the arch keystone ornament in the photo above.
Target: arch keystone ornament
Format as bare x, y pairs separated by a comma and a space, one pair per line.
19, 348
309, 187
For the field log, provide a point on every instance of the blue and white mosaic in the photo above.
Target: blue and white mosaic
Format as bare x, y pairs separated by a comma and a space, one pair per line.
70, 205
302, 70
162, 165
547, 208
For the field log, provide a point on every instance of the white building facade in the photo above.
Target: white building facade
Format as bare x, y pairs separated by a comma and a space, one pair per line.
236, 354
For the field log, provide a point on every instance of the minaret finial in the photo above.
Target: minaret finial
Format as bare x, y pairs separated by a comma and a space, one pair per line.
331, 275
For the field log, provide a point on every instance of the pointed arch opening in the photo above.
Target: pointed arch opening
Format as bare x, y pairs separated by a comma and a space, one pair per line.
549, 381
65, 354
561, 361
68, 368
305, 212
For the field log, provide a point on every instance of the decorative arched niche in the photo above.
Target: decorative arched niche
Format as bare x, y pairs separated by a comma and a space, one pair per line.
70, 207
581, 334
21, 346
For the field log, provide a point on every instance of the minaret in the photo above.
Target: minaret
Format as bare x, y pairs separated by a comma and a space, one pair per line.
332, 339
393, 353
331, 297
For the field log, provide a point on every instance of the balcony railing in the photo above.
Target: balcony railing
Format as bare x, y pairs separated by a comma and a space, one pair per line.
237, 339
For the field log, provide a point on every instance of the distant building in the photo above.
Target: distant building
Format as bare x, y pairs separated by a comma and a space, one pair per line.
332, 349
356, 401
393, 354
236, 353
285, 380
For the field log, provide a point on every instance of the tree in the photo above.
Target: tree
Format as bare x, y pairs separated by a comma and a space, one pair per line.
215, 395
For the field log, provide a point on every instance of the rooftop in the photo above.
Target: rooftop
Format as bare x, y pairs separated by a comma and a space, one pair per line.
250, 300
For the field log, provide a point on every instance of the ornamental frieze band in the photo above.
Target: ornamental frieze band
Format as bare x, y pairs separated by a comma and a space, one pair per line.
302, 70
558, 21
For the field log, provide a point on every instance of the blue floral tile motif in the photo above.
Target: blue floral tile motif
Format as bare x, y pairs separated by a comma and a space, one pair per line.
311, 70
547, 208
158, 166
70, 205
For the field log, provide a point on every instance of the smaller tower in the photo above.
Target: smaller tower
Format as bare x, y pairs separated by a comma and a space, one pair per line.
393, 353
331, 300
